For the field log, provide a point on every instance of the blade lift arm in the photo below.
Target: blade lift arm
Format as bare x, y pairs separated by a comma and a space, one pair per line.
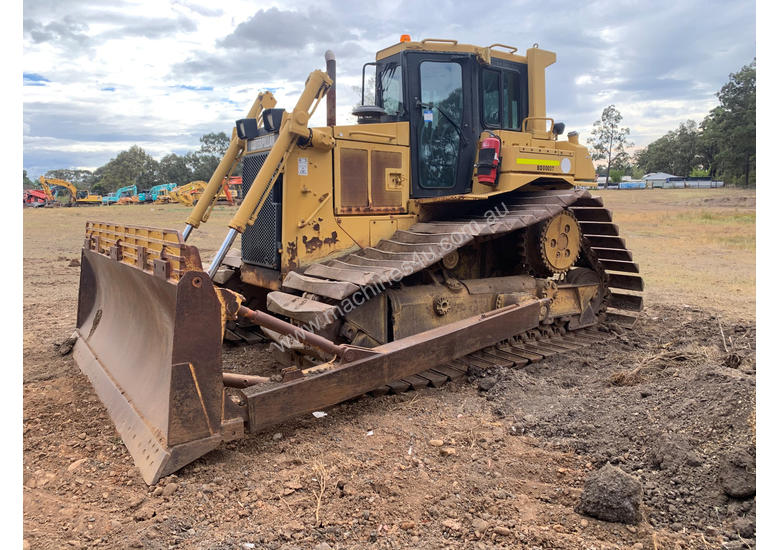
293, 127
200, 213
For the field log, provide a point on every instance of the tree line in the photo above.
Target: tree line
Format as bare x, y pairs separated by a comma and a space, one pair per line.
722, 146
137, 167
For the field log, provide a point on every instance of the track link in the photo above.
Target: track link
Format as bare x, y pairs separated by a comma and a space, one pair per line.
515, 354
601, 236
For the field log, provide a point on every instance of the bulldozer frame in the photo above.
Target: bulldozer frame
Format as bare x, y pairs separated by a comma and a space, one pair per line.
373, 283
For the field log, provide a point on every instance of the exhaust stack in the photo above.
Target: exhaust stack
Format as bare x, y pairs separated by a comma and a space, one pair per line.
330, 67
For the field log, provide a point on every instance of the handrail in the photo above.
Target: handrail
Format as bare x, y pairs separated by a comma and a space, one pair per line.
511, 49
444, 40
524, 126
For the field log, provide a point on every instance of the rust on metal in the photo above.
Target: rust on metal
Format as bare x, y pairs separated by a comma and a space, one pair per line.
236, 380
274, 323
389, 362
154, 362
311, 243
292, 255
261, 276
135, 245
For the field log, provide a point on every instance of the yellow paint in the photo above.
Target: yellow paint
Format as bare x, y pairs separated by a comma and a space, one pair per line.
318, 223
539, 162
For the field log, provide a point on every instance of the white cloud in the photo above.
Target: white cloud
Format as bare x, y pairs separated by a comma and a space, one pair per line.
160, 74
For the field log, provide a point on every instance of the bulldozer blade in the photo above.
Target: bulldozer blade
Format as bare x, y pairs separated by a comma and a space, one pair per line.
149, 339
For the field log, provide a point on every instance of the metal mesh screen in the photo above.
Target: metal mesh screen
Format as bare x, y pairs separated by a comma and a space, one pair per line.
260, 243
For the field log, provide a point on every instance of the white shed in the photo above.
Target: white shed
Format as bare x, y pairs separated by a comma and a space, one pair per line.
657, 179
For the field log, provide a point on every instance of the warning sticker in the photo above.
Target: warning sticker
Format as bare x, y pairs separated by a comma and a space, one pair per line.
303, 166
428, 115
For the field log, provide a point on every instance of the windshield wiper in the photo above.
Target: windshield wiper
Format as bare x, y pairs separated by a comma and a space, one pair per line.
445, 115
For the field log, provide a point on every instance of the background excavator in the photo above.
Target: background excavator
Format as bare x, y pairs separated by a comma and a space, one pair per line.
122, 193
64, 193
154, 192
448, 228
189, 193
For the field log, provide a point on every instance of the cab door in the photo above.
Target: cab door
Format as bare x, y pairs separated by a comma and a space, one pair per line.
442, 123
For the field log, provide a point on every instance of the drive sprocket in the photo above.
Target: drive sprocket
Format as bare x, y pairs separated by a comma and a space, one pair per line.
554, 245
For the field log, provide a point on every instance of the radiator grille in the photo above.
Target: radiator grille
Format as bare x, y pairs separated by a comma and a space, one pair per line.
260, 243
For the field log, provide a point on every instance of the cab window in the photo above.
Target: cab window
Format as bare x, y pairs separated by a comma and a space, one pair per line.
504, 98
491, 97
513, 100
441, 108
390, 86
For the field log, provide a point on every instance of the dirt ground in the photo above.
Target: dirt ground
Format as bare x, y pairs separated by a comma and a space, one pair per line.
668, 402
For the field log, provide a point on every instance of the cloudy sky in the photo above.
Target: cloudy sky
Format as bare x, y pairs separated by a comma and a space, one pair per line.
100, 77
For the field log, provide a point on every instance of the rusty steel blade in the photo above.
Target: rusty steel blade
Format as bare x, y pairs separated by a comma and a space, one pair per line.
151, 347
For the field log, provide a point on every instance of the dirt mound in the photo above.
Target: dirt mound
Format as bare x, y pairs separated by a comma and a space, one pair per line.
673, 451
738, 472
674, 416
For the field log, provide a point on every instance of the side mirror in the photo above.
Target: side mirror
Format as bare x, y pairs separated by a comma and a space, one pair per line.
246, 128
558, 128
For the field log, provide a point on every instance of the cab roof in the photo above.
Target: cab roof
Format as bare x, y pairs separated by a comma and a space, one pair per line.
484, 54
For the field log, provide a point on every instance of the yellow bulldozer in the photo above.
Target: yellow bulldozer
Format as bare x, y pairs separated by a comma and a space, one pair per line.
189, 194
450, 227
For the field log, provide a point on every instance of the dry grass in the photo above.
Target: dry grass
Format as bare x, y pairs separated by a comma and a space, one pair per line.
695, 246
658, 362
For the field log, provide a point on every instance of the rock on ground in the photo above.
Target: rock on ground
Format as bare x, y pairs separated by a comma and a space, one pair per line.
745, 527
672, 451
610, 494
738, 472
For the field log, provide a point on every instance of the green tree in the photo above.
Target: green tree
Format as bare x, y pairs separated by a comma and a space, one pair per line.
731, 126
708, 146
201, 166
616, 176
204, 161
27, 183
675, 153
175, 169
82, 179
686, 155
609, 140
132, 167
214, 144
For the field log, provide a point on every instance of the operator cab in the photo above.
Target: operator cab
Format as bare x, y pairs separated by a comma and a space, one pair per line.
449, 94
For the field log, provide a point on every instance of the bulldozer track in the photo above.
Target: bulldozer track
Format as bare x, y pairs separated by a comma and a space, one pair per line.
601, 241
513, 354
603, 249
